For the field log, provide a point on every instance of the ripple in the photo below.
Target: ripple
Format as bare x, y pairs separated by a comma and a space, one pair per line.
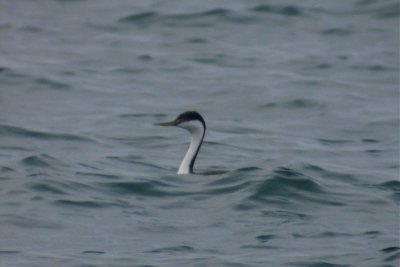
47, 188
29, 222
318, 264
280, 10
325, 234
334, 142
14, 131
142, 115
337, 31
287, 215
322, 172
371, 141
298, 103
59, 187
196, 19
229, 189
99, 175
10, 251
197, 40
51, 84
288, 186
387, 12
146, 188
247, 170
139, 17
390, 249
82, 203
12, 76
4, 169
42, 161
172, 249
265, 238
394, 253
391, 185
134, 160
37, 161
94, 252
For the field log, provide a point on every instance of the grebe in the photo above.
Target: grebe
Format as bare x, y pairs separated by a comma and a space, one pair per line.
195, 124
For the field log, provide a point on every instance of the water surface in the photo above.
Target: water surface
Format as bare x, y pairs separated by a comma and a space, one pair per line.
301, 102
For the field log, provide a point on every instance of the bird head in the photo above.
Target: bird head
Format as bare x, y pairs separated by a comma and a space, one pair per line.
189, 120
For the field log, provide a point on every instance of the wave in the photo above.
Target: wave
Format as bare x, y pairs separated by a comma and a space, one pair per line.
38, 161
207, 17
256, 14
192, 19
29, 222
379, 9
391, 253
12, 76
141, 188
298, 103
92, 204
329, 174
290, 187
174, 249
284, 10
14, 131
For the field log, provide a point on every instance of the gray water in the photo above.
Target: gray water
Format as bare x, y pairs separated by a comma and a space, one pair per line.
301, 100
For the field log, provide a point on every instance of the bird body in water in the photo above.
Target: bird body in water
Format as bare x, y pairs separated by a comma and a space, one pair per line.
195, 124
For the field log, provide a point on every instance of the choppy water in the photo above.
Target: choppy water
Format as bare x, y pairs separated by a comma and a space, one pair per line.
301, 102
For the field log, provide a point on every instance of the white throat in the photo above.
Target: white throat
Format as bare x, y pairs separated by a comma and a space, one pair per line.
197, 130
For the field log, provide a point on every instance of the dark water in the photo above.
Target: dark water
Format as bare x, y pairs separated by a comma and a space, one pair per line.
301, 102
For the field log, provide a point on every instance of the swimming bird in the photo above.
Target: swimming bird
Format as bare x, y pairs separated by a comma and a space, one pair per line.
195, 124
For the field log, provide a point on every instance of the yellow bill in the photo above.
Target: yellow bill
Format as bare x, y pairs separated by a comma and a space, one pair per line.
169, 123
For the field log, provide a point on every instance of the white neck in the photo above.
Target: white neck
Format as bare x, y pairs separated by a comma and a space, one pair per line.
197, 130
